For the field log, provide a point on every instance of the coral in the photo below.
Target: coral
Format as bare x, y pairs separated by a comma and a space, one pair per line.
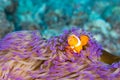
5, 25
25, 55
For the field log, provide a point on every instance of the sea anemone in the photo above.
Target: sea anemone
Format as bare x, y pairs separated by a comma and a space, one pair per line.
25, 55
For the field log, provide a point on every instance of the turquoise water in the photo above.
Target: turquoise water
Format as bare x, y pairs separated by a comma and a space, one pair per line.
51, 17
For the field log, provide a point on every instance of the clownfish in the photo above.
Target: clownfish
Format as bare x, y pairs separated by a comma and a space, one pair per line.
76, 43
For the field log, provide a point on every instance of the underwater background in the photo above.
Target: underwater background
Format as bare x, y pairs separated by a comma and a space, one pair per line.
51, 17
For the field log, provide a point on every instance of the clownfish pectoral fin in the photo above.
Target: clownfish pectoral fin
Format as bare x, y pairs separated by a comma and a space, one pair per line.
78, 48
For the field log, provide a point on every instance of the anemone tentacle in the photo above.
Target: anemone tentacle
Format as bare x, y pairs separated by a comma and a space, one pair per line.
25, 55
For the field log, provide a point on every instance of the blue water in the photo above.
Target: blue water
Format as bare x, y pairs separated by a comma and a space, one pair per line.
51, 17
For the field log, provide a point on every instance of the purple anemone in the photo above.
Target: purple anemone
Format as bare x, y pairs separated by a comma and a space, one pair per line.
25, 55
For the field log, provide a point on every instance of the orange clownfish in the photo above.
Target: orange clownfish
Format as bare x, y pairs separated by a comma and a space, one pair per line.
77, 43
